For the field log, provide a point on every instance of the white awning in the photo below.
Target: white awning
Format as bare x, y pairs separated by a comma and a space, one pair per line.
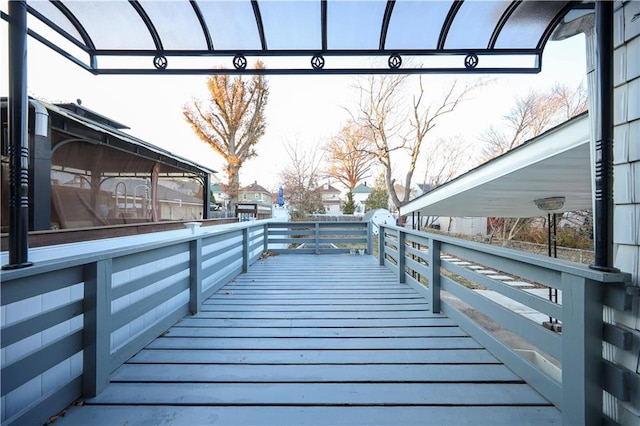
554, 164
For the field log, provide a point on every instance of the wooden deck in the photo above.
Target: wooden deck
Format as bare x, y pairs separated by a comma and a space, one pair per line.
323, 340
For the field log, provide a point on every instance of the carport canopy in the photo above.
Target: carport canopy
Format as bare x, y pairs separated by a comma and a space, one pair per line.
555, 164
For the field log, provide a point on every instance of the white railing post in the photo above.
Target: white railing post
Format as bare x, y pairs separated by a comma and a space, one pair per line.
402, 237
96, 330
582, 350
317, 237
195, 276
434, 275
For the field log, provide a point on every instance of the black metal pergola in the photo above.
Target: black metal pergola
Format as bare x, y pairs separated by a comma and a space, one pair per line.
316, 37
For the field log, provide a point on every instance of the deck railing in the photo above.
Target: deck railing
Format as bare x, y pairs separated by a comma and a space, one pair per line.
68, 323
320, 237
438, 265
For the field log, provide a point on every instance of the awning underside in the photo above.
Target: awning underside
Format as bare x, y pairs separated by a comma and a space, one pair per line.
555, 164
315, 36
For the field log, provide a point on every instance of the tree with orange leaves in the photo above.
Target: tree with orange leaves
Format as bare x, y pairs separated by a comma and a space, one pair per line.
231, 121
350, 155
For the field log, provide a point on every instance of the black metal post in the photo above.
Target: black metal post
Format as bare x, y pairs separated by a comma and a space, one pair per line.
206, 210
18, 138
555, 235
549, 235
603, 208
549, 253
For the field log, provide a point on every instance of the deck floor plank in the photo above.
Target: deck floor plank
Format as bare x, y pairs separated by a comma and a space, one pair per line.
475, 355
315, 340
316, 323
105, 415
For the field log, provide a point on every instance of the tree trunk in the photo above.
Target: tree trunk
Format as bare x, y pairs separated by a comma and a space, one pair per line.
234, 185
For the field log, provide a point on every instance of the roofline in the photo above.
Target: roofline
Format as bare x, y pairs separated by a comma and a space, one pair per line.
112, 131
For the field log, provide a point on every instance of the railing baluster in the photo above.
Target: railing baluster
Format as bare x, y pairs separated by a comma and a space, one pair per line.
195, 276
369, 238
96, 332
434, 275
381, 245
401, 256
316, 237
265, 238
582, 350
245, 250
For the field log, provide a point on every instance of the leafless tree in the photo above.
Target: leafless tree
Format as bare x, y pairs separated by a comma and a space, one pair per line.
399, 122
531, 115
445, 160
301, 178
232, 120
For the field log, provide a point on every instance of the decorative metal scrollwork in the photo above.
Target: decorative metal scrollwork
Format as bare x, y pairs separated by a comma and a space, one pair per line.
317, 62
160, 62
395, 61
239, 62
471, 61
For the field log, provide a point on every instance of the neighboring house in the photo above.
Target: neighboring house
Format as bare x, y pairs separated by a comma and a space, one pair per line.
184, 186
360, 195
423, 188
330, 199
255, 193
219, 192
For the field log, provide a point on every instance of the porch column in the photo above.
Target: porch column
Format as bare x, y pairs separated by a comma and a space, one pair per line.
603, 185
18, 138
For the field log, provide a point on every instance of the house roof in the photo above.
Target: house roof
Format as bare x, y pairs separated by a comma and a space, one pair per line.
361, 189
254, 187
328, 189
102, 133
201, 37
556, 163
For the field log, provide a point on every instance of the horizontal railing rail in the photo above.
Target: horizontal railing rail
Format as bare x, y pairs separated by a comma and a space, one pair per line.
68, 323
440, 266
319, 237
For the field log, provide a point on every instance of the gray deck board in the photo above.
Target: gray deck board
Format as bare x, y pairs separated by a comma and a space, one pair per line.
474, 355
264, 394
317, 323
100, 415
310, 332
315, 340
311, 373
295, 343
310, 315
